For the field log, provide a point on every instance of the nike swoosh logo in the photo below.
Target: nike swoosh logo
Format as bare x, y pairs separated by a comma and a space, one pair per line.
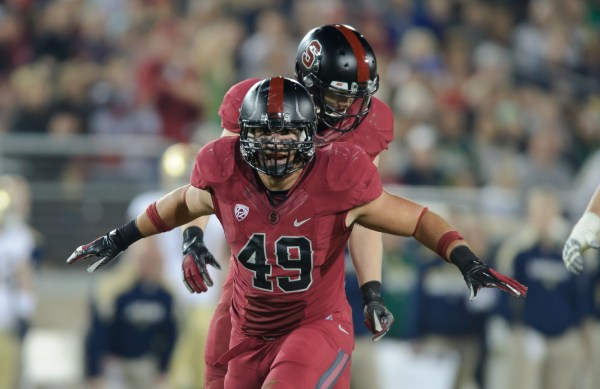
298, 224
343, 330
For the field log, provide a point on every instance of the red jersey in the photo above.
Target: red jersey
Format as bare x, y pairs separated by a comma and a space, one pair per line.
289, 267
373, 134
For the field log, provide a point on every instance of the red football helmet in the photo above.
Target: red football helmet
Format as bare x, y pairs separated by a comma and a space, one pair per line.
338, 67
277, 126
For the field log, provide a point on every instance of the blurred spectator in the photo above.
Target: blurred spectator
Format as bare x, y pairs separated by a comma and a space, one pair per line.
440, 319
423, 167
116, 113
71, 99
215, 61
55, 35
544, 165
269, 50
167, 81
587, 130
132, 323
15, 47
32, 91
545, 351
187, 368
17, 298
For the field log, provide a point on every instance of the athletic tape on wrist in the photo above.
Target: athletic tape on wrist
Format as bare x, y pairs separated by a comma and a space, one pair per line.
445, 241
371, 291
156, 220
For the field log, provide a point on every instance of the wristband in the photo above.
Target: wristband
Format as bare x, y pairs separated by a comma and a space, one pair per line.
193, 232
371, 291
126, 235
445, 242
462, 256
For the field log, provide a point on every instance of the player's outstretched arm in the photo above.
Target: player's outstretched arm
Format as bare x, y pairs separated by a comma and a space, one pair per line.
585, 234
399, 216
172, 210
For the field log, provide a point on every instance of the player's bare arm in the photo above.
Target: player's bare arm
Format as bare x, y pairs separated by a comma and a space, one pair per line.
399, 216
585, 235
366, 252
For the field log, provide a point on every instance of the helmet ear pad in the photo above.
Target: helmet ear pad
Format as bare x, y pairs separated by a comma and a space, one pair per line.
338, 66
277, 126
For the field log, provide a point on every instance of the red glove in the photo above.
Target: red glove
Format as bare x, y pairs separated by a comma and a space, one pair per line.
195, 258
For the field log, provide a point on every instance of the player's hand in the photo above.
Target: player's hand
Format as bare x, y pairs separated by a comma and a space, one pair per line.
585, 234
106, 248
378, 318
479, 275
196, 257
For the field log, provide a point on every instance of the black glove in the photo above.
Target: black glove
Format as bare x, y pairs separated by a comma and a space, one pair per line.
479, 275
107, 247
378, 318
195, 258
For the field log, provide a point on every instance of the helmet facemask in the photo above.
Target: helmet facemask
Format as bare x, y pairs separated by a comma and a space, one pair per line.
277, 148
340, 108
277, 122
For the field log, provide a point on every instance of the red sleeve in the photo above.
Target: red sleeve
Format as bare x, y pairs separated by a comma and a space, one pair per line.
215, 162
229, 111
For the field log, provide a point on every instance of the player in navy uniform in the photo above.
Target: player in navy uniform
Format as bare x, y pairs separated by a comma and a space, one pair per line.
287, 209
339, 67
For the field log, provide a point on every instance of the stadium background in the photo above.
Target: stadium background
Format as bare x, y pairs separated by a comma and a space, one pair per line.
492, 98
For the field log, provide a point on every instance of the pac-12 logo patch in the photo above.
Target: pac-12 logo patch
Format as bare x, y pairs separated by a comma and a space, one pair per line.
241, 211
310, 54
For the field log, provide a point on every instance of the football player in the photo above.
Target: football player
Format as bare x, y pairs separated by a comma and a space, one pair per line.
287, 208
339, 68
585, 234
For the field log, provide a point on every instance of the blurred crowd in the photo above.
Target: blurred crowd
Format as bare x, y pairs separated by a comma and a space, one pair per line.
487, 93
502, 96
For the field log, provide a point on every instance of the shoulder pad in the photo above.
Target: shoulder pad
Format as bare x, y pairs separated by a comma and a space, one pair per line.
215, 162
376, 131
229, 111
347, 164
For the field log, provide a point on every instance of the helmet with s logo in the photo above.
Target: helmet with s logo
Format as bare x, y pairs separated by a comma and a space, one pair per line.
339, 68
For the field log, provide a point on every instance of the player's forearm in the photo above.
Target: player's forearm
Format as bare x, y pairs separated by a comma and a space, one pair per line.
399, 216
170, 211
437, 235
366, 251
